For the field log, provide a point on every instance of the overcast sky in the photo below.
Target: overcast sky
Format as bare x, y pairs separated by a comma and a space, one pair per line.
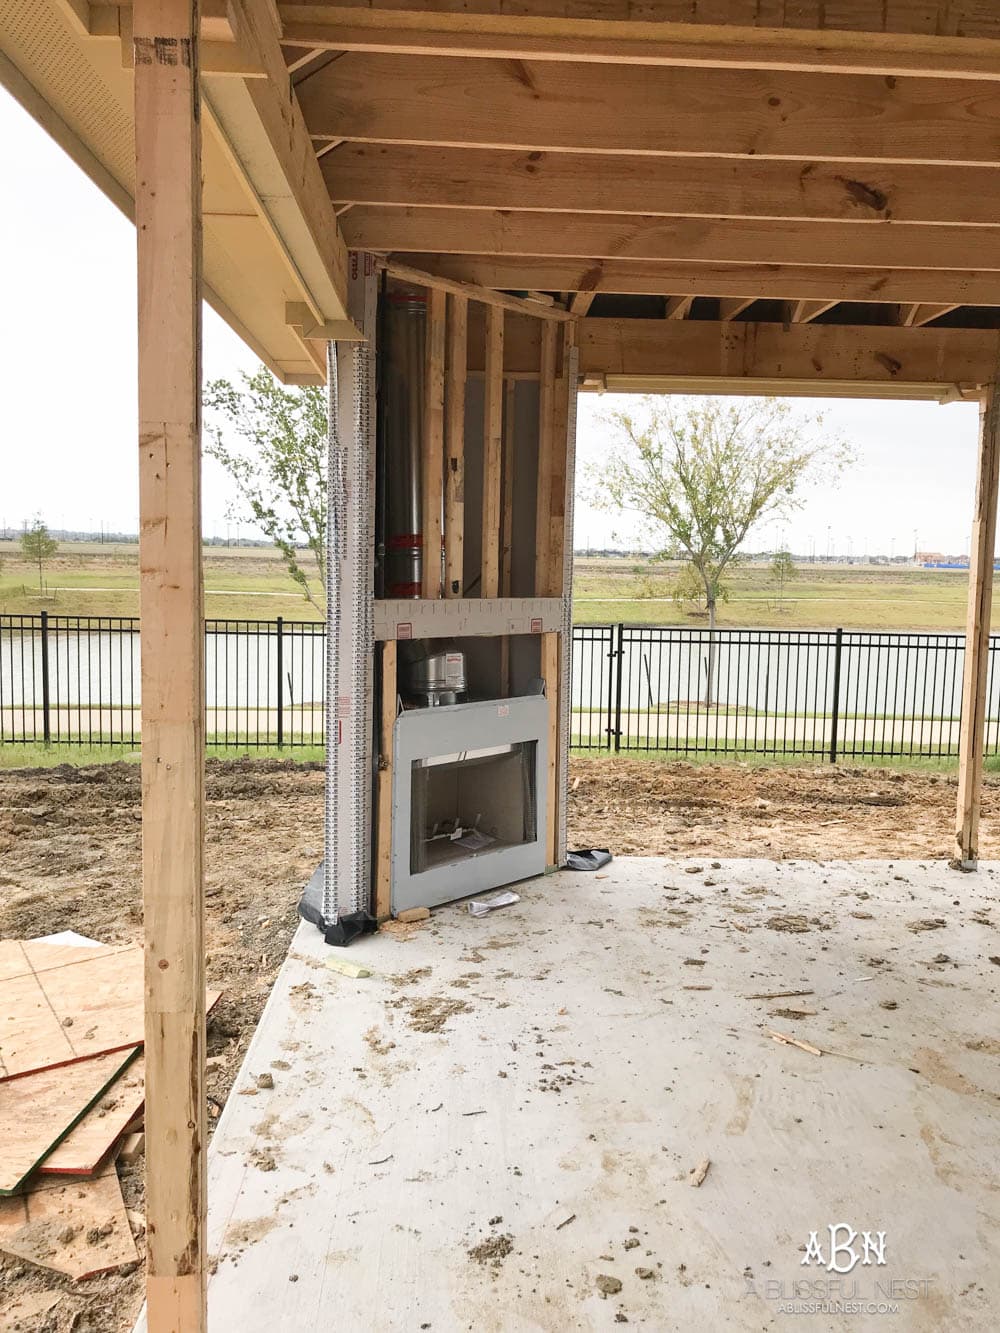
68, 422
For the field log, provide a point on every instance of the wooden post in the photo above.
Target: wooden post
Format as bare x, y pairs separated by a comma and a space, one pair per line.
168, 211
546, 442
492, 452
977, 634
383, 839
433, 469
456, 361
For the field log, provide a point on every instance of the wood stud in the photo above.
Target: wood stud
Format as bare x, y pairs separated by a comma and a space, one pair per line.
456, 361
172, 634
432, 475
492, 452
982, 549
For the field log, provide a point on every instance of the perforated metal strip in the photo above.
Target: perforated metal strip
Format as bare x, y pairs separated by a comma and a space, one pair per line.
335, 512
566, 654
350, 611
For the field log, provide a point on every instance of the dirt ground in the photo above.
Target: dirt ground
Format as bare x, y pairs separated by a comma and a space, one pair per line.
70, 859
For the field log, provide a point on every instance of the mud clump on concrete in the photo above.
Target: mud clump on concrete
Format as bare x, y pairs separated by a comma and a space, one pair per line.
432, 1013
790, 921
493, 1251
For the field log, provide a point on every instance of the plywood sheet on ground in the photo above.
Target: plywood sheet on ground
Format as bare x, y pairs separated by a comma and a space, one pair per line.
66, 1004
59, 1004
77, 1227
38, 1112
25, 1313
87, 1145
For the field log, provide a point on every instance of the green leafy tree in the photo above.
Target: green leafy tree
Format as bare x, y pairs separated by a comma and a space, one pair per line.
783, 572
700, 473
38, 545
278, 463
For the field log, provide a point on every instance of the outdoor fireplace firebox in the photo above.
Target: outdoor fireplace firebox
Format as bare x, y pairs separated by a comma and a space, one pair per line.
468, 799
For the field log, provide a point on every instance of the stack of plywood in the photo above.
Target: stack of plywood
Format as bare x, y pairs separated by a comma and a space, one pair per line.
71, 1090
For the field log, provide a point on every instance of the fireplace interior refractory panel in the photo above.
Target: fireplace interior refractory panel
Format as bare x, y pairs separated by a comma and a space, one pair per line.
468, 799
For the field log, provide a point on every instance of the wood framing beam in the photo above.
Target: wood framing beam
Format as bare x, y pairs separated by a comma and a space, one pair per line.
972, 736
492, 453
581, 32
456, 363
728, 113
669, 240
432, 472
915, 316
731, 308
804, 312
752, 281
473, 291
817, 355
172, 635
386, 753
507, 502
677, 307
265, 139
546, 456
405, 175
555, 576
580, 303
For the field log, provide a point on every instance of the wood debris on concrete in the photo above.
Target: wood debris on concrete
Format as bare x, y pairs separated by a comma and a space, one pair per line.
785, 1040
698, 1173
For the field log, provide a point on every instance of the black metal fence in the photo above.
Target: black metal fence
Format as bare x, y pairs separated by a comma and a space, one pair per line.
826, 694
76, 680
814, 693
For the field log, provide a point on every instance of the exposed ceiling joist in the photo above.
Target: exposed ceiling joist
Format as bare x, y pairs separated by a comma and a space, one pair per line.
614, 236
556, 33
750, 281
677, 307
804, 312
900, 361
914, 316
729, 309
404, 175
580, 303
648, 110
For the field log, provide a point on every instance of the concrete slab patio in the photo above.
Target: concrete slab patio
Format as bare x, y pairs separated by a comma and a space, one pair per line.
496, 1128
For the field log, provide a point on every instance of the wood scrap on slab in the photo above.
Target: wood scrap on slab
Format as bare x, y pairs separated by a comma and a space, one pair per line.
77, 1227
83, 1150
786, 1040
778, 994
40, 1112
698, 1173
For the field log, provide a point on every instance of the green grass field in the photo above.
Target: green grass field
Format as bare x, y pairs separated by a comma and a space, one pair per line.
251, 583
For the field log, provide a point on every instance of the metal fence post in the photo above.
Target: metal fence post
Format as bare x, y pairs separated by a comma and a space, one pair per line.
619, 655
835, 712
46, 715
281, 684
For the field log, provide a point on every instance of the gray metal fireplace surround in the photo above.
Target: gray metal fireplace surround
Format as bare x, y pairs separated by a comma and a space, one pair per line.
483, 765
